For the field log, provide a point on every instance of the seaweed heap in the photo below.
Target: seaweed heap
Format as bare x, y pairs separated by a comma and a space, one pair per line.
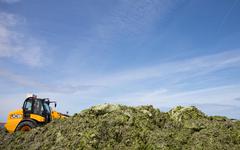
122, 127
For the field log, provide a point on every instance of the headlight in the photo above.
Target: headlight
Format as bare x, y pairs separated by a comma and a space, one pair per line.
15, 116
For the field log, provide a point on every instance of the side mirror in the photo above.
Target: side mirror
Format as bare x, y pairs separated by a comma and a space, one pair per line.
55, 105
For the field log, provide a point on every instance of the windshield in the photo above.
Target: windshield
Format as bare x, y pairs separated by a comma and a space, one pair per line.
46, 107
37, 107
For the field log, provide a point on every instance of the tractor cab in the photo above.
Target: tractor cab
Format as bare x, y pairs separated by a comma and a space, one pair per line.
37, 106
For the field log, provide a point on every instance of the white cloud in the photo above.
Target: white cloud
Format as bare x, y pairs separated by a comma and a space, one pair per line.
16, 45
231, 111
10, 102
123, 85
175, 71
27, 82
221, 95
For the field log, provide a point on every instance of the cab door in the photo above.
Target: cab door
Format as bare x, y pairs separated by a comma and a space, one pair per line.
47, 112
38, 107
27, 108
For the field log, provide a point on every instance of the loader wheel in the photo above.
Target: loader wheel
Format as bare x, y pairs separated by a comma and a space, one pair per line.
26, 126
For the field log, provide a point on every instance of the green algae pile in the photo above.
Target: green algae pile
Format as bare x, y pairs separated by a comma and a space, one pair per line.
122, 127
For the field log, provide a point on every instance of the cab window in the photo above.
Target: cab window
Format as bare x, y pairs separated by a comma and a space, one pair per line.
28, 106
37, 107
47, 108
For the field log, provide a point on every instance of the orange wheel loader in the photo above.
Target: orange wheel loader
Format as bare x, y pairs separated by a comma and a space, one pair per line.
35, 112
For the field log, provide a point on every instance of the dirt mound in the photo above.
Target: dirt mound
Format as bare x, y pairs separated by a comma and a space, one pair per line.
122, 127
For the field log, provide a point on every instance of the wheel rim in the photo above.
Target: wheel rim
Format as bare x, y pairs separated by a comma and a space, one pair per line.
25, 128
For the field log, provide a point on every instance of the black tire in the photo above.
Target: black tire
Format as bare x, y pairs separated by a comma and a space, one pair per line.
26, 126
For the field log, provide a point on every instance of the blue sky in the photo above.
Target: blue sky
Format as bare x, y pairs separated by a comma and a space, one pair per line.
134, 52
